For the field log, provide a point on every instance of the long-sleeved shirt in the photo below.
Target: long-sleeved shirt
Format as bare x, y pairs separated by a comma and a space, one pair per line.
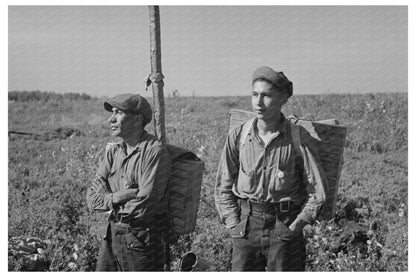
269, 173
147, 168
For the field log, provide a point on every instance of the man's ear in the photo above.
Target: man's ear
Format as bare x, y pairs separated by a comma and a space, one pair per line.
285, 98
139, 119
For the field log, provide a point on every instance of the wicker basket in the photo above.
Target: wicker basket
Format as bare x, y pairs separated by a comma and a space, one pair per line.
184, 188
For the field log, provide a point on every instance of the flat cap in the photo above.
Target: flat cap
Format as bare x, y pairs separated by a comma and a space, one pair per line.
132, 103
275, 77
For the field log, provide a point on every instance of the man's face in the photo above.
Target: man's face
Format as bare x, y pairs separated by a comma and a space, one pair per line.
124, 124
267, 100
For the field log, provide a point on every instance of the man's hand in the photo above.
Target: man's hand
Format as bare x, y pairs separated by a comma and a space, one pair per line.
297, 226
99, 185
123, 196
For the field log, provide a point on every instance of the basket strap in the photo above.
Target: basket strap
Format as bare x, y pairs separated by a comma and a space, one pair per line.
294, 129
244, 132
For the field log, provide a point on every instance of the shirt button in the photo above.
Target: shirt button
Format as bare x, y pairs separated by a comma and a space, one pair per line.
264, 168
281, 174
241, 232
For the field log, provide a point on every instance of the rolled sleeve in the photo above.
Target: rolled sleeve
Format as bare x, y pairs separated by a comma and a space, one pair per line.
314, 178
98, 201
225, 200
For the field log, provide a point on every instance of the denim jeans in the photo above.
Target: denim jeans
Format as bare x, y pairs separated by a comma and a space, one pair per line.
131, 249
261, 242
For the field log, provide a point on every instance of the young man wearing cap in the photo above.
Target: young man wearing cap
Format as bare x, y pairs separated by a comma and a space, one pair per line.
266, 191
131, 182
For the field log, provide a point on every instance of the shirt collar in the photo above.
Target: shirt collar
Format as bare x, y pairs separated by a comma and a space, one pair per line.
281, 128
137, 147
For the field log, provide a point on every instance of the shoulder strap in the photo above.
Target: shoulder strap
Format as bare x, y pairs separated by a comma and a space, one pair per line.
244, 132
294, 129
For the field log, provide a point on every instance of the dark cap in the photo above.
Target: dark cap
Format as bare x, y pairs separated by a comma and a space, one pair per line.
277, 78
132, 103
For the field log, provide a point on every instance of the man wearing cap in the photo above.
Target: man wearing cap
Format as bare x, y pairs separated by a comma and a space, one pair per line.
266, 191
131, 183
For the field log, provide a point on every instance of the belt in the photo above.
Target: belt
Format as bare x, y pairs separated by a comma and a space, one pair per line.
127, 221
263, 208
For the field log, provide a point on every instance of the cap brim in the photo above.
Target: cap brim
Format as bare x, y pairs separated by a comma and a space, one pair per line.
109, 105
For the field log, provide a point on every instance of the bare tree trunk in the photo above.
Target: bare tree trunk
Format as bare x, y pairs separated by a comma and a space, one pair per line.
156, 74
158, 99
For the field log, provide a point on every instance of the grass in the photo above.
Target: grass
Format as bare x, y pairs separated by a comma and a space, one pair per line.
49, 174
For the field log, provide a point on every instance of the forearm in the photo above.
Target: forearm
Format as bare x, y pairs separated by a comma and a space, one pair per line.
106, 201
228, 210
121, 197
308, 213
311, 209
226, 201
99, 202
315, 182
298, 224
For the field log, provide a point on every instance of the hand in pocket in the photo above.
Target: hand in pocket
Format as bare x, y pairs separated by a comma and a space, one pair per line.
240, 230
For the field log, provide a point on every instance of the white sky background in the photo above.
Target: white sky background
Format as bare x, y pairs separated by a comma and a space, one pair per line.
208, 50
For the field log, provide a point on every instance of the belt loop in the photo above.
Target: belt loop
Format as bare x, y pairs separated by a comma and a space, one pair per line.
286, 208
276, 209
250, 207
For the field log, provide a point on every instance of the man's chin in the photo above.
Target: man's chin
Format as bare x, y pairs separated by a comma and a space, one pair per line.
266, 118
115, 133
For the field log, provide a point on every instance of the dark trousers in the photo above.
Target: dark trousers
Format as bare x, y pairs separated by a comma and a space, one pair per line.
131, 249
263, 241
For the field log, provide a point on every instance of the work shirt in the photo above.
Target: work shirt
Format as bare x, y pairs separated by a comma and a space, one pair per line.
269, 173
147, 168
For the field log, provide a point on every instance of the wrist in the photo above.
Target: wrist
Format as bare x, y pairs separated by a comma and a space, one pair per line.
297, 225
124, 196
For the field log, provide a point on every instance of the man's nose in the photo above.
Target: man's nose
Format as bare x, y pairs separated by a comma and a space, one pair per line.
111, 118
259, 100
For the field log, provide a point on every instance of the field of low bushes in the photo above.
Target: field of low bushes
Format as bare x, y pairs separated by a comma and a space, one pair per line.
51, 165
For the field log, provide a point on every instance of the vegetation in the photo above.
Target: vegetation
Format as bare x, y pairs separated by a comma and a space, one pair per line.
36, 95
50, 171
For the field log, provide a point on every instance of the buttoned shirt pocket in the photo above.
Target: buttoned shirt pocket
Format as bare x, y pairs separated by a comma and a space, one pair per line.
240, 230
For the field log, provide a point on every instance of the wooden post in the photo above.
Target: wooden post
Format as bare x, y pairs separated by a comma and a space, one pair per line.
156, 74
156, 77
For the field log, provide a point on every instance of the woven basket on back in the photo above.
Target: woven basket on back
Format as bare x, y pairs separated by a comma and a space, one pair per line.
184, 188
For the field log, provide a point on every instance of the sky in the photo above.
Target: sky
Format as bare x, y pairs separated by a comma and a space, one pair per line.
208, 50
